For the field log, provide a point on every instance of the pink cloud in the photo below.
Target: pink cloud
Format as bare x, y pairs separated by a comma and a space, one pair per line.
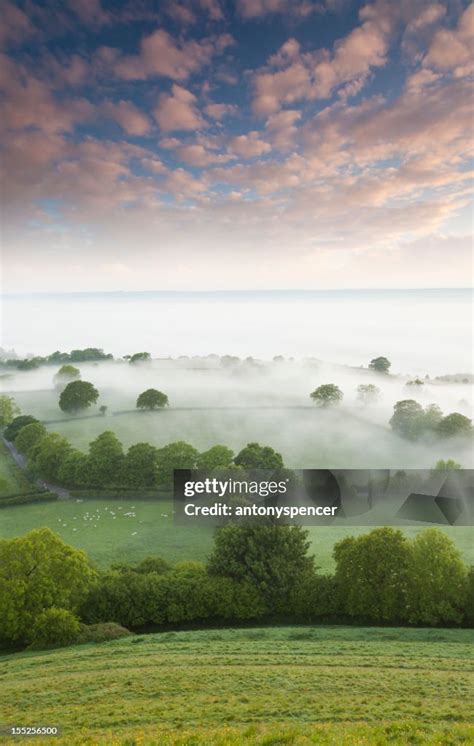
161, 55
219, 111
248, 146
453, 50
29, 102
132, 120
178, 111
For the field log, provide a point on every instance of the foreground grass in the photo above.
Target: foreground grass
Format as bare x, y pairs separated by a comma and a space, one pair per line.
289, 685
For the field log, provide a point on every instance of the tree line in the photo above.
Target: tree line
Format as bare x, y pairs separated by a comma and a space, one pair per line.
106, 464
51, 594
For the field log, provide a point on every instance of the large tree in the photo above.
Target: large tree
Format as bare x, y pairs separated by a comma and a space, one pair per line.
139, 469
152, 399
48, 454
38, 571
454, 424
217, 457
408, 419
327, 395
272, 558
105, 460
372, 575
178, 455
255, 456
380, 364
78, 395
29, 436
437, 580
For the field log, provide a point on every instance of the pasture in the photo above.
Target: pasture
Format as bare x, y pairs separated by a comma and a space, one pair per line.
289, 685
128, 530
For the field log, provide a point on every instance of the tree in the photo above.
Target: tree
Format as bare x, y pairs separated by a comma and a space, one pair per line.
432, 417
138, 469
217, 457
8, 410
74, 469
415, 382
407, 419
38, 571
48, 454
437, 580
65, 375
367, 393
178, 455
29, 436
103, 410
17, 424
372, 575
78, 395
55, 628
105, 460
140, 357
448, 465
380, 365
269, 557
454, 424
255, 456
152, 399
327, 395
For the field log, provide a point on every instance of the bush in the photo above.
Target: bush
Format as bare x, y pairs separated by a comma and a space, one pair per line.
55, 628
103, 632
315, 598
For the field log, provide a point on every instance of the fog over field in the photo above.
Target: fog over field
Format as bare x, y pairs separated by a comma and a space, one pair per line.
420, 331
253, 400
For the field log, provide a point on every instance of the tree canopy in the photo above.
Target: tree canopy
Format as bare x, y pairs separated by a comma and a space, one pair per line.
152, 399
327, 395
17, 424
255, 456
380, 364
78, 395
38, 571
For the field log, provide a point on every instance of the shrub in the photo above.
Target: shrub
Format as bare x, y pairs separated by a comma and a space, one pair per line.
103, 632
54, 628
27, 498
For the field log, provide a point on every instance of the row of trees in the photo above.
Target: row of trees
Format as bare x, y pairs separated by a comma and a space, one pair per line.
412, 421
89, 354
409, 419
107, 465
255, 572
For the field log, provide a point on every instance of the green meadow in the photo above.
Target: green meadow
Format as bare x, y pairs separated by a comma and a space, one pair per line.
287, 685
117, 530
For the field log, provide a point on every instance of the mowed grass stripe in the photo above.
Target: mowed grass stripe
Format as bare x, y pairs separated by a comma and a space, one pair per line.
166, 681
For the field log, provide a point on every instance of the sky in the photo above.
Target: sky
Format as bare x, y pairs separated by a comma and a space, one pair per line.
209, 144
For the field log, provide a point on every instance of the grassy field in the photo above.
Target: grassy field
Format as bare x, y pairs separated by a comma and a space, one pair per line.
289, 685
128, 530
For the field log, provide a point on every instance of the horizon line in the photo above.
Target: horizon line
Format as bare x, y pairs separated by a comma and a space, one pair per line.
230, 291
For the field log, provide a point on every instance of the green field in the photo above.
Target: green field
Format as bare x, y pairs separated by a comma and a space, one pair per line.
107, 534
289, 685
